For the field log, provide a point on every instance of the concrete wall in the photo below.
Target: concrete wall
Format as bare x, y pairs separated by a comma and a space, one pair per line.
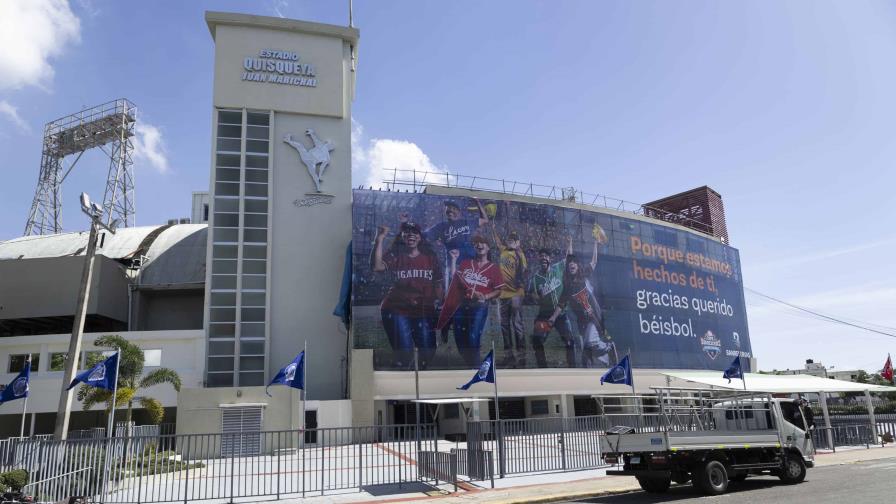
306, 242
165, 310
24, 284
199, 411
182, 351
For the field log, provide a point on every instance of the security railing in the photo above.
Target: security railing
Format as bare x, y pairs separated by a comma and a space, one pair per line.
222, 466
417, 180
539, 444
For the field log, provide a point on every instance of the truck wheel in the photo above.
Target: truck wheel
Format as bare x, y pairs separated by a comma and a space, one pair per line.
793, 470
711, 477
654, 485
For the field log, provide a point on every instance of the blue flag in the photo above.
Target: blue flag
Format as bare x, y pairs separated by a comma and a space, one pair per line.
734, 370
103, 375
620, 374
293, 375
18, 388
486, 372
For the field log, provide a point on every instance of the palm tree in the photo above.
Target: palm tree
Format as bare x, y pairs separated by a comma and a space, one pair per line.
130, 381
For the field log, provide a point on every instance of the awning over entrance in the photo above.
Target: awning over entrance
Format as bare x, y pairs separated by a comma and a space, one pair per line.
776, 383
451, 400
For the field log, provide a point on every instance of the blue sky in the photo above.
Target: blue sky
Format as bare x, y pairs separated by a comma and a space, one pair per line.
785, 108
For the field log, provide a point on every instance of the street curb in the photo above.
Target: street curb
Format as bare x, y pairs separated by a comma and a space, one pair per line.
561, 497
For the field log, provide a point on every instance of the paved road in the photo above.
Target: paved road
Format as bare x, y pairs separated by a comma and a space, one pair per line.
870, 481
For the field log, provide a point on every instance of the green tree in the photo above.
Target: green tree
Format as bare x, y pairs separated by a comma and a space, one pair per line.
130, 380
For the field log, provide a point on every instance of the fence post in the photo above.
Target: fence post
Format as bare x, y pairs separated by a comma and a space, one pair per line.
185, 459
501, 454
232, 458
563, 441
360, 464
279, 443
320, 444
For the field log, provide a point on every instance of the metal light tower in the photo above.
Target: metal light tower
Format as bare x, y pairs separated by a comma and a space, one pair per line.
109, 127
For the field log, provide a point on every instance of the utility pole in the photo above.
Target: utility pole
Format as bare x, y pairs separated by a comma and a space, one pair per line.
95, 212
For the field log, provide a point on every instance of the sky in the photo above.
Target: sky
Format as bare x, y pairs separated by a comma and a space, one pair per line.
784, 107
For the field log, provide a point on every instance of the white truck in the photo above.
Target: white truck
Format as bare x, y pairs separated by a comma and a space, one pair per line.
707, 437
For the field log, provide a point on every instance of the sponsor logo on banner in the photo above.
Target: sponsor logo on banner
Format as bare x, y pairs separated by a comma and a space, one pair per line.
712, 345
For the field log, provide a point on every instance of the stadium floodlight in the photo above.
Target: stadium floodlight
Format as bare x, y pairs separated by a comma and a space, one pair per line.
85, 202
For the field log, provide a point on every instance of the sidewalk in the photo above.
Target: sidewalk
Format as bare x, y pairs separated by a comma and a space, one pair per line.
560, 486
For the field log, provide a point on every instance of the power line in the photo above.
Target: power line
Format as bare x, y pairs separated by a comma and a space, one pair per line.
821, 315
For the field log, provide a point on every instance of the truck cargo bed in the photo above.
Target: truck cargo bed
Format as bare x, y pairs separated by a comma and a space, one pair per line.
689, 440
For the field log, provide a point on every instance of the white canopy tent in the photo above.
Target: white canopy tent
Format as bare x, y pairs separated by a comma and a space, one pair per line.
788, 384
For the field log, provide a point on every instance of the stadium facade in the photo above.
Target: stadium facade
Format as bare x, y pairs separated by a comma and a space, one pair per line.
561, 287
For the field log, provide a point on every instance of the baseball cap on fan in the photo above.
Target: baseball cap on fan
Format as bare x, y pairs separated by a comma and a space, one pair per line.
411, 227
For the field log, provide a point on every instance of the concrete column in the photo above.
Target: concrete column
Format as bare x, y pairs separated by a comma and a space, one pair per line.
871, 418
823, 400
564, 406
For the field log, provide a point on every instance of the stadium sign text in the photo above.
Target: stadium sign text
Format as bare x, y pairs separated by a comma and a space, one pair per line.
278, 67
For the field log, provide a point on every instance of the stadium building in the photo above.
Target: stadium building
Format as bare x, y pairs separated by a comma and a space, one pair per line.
562, 283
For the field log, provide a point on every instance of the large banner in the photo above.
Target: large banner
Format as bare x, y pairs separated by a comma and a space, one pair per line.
550, 286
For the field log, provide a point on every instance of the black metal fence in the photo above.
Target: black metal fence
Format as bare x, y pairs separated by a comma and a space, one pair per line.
149, 469
539, 444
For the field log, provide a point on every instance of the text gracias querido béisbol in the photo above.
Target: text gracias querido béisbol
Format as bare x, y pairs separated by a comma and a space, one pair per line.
698, 305
279, 67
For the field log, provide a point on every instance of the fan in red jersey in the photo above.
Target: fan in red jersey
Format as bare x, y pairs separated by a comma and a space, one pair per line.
409, 308
474, 283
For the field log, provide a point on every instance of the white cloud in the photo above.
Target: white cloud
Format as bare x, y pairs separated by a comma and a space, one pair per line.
12, 113
149, 147
32, 32
371, 158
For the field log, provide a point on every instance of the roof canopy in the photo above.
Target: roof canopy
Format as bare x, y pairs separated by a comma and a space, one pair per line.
451, 400
776, 383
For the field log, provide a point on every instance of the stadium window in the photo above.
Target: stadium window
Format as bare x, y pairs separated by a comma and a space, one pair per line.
57, 361
258, 119
251, 379
152, 357
219, 379
230, 117
257, 206
539, 407
17, 362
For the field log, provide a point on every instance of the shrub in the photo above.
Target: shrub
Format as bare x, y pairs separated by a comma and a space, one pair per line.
14, 480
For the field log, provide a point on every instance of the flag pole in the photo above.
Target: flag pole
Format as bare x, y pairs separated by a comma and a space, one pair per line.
25, 402
743, 375
304, 391
417, 394
111, 432
500, 429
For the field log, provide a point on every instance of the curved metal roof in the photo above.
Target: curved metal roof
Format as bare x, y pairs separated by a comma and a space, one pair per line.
174, 254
